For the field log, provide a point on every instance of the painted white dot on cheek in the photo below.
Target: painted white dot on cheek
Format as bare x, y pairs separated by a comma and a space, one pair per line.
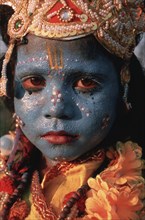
59, 95
83, 109
54, 92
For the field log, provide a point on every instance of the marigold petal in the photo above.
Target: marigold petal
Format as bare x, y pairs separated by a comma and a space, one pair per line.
134, 200
121, 181
92, 183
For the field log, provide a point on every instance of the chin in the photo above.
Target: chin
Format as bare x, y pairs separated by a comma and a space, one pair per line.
62, 155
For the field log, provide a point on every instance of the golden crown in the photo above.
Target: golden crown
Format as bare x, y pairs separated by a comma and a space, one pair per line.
115, 23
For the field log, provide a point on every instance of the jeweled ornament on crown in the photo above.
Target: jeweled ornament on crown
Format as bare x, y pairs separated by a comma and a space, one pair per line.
65, 14
18, 24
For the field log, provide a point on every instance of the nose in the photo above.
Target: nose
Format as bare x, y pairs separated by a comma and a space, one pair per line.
59, 105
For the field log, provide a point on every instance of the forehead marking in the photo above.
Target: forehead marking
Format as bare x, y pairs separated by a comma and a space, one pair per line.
55, 58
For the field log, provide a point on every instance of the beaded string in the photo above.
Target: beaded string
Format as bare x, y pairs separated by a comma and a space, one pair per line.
3, 79
17, 192
76, 196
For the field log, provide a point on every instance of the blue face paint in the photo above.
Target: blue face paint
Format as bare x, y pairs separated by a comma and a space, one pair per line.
67, 95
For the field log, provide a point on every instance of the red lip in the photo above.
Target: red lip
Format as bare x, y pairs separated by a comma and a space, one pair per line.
59, 137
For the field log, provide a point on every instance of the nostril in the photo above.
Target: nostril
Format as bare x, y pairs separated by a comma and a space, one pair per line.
65, 117
48, 116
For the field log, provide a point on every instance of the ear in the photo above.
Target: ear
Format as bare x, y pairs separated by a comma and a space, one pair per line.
140, 52
3, 47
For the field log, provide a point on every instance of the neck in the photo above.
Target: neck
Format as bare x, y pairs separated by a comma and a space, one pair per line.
46, 164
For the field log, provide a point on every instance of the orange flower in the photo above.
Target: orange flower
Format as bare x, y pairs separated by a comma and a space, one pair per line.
118, 191
110, 203
128, 203
127, 167
97, 205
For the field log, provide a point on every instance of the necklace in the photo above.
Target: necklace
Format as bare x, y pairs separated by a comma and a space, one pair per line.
72, 200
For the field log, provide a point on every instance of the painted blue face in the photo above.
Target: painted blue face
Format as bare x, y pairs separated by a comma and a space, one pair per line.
66, 93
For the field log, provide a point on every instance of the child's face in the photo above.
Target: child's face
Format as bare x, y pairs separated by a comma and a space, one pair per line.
66, 94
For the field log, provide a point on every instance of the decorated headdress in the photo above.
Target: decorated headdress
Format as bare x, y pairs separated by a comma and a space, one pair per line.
114, 23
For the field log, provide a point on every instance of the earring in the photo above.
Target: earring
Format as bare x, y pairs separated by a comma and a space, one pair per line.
125, 79
3, 79
105, 122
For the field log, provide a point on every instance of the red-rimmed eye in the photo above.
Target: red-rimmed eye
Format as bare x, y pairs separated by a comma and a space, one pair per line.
86, 84
34, 83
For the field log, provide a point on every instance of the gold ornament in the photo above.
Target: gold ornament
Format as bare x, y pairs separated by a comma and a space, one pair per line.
115, 23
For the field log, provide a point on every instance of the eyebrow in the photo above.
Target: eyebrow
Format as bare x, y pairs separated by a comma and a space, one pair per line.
32, 71
81, 73
32, 59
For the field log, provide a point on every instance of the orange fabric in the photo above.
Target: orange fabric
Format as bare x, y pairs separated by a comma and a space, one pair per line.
57, 188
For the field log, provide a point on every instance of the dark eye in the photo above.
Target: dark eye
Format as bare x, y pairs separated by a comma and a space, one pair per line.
86, 84
34, 83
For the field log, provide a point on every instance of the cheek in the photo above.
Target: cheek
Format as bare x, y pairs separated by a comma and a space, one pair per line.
28, 108
99, 110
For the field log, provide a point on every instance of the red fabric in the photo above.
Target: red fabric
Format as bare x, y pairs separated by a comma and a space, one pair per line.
7, 185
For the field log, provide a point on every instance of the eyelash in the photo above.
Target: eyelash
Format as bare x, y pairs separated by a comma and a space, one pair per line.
97, 85
31, 87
